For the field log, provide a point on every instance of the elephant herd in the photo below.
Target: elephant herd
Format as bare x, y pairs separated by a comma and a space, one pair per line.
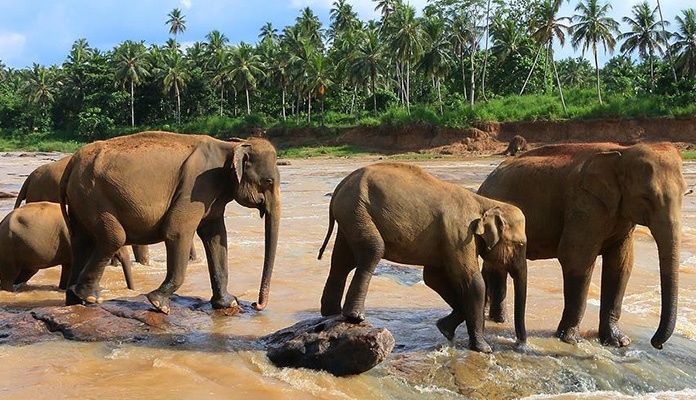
572, 202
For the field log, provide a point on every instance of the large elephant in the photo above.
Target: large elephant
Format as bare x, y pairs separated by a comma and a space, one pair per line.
43, 184
401, 213
584, 200
159, 186
35, 237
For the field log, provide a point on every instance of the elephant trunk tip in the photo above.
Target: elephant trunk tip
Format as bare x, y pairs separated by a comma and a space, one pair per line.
260, 305
657, 343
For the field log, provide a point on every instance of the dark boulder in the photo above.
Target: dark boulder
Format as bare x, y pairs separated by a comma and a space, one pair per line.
331, 344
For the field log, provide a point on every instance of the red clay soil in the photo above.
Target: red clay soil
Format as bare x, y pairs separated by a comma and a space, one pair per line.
488, 138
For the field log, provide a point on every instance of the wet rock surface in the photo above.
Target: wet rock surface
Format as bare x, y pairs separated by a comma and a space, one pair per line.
128, 319
331, 344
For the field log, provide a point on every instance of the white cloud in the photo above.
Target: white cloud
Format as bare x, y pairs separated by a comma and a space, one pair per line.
185, 3
11, 45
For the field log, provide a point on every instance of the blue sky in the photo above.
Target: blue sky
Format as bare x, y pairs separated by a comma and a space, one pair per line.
43, 31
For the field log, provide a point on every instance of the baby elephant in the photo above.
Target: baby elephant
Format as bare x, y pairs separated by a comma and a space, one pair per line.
34, 237
403, 214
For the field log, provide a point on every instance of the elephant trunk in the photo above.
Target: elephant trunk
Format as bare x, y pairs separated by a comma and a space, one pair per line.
272, 223
519, 279
668, 237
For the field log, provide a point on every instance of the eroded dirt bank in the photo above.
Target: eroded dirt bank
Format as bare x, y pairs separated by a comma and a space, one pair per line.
486, 138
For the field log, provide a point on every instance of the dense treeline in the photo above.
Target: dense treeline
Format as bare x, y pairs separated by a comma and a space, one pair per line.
461, 60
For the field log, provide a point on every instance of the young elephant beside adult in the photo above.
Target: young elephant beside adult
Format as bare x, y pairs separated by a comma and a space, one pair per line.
159, 186
43, 184
35, 237
401, 213
584, 200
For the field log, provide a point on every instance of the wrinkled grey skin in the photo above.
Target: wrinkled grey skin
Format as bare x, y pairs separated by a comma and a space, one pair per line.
584, 200
35, 237
43, 184
188, 181
401, 213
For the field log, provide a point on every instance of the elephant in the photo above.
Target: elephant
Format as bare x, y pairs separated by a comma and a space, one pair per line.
517, 145
43, 184
401, 213
158, 186
35, 237
583, 200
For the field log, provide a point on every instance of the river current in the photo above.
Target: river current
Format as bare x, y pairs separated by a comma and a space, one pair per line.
224, 360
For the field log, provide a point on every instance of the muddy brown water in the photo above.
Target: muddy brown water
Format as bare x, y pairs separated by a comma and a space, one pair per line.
224, 360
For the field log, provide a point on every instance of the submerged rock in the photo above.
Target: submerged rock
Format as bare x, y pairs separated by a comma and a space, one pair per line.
331, 344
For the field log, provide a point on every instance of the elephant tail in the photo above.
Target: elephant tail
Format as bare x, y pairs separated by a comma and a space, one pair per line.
328, 234
64, 194
22, 195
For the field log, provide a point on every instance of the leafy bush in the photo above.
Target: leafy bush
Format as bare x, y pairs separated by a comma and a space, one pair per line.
93, 124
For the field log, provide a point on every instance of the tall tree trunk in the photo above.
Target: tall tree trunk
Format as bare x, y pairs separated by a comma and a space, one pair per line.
529, 75
485, 57
309, 106
283, 100
472, 75
439, 95
461, 63
652, 73
132, 93
408, 86
246, 90
558, 81
664, 34
178, 102
374, 94
599, 91
222, 97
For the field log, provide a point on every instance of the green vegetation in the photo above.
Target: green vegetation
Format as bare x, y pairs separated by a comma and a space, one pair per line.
457, 63
689, 155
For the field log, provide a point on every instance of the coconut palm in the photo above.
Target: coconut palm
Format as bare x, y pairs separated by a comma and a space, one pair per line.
246, 67
592, 27
643, 36
268, 33
130, 67
219, 68
547, 27
684, 46
369, 60
310, 27
344, 21
176, 22
40, 86
436, 60
175, 76
215, 41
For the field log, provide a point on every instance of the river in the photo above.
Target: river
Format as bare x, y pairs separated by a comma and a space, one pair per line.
223, 360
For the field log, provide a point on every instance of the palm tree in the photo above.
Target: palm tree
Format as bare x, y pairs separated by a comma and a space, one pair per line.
176, 22
40, 86
175, 76
130, 65
406, 40
684, 46
547, 27
643, 36
246, 67
310, 27
74, 67
666, 35
436, 59
220, 71
268, 33
369, 60
215, 41
343, 21
317, 80
593, 26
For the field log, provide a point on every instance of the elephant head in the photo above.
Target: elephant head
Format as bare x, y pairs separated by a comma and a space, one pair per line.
258, 186
502, 231
644, 184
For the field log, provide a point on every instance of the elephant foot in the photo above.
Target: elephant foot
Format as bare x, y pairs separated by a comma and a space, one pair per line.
480, 345
85, 294
448, 325
613, 336
570, 335
159, 301
225, 301
497, 315
354, 315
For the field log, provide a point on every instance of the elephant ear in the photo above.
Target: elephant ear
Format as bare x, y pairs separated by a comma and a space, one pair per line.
241, 154
600, 178
490, 227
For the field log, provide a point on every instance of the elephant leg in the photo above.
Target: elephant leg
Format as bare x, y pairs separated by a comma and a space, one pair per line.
141, 254
472, 299
214, 237
64, 276
123, 256
193, 256
617, 263
436, 280
577, 263
368, 249
81, 248
9, 276
342, 262
495, 278
177, 260
25, 275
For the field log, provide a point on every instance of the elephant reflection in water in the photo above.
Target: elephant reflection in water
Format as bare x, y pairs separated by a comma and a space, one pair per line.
584, 200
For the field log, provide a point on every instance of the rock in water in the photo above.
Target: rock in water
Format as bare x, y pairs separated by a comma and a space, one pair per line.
331, 344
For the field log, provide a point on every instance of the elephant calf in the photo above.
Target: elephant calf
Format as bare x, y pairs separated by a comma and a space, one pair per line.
34, 237
401, 213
